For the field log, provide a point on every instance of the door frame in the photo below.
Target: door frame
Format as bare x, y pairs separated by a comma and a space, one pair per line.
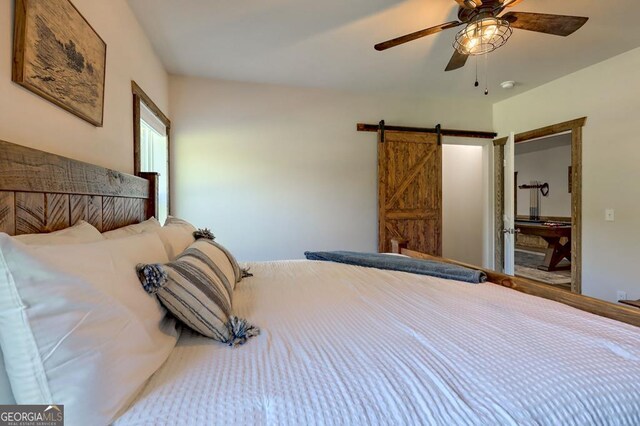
575, 128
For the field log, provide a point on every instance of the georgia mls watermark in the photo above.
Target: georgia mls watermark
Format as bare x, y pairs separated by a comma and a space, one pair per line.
31, 415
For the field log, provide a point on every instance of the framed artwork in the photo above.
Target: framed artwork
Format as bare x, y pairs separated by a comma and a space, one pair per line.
59, 56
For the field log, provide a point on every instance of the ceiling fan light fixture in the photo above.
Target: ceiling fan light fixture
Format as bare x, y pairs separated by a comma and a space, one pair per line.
482, 36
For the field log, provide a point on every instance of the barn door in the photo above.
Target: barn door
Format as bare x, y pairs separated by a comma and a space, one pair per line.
410, 191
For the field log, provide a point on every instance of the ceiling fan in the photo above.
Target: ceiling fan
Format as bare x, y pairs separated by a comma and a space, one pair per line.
486, 31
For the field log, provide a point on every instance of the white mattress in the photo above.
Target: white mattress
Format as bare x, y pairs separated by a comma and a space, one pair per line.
348, 345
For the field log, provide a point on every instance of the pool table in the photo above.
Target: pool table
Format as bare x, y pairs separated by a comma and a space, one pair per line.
552, 233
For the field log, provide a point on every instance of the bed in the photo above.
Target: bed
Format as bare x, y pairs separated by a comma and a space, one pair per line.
343, 344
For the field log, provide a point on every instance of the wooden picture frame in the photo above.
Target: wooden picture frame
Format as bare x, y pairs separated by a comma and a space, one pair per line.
59, 56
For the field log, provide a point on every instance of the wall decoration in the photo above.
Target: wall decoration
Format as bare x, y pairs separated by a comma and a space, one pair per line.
59, 56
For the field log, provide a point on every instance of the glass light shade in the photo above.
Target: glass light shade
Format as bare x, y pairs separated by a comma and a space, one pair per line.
482, 36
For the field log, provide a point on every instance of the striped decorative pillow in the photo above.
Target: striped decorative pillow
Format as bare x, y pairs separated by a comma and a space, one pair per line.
197, 287
239, 273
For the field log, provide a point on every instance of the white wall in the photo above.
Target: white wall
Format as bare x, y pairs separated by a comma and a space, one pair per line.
275, 170
547, 161
29, 120
607, 93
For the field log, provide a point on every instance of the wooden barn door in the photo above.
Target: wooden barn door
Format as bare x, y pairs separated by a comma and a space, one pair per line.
410, 191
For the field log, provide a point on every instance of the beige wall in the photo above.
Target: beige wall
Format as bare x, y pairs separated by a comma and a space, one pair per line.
275, 171
29, 120
607, 93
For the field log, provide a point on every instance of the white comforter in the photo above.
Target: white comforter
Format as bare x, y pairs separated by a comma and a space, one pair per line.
349, 345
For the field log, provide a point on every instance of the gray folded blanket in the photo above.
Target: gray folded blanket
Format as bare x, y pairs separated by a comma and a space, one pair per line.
401, 263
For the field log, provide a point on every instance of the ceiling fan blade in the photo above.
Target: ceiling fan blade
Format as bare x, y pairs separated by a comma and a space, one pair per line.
458, 60
414, 36
560, 25
469, 4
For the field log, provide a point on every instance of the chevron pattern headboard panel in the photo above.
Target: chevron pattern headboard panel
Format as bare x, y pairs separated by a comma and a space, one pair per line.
43, 192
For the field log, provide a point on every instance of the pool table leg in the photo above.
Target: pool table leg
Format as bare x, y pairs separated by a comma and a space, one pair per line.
555, 253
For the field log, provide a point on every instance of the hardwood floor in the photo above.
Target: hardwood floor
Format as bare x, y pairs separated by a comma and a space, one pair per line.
527, 262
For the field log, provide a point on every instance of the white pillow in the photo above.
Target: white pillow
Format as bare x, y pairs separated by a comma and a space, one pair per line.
110, 265
176, 235
149, 225
77, 329
81, 232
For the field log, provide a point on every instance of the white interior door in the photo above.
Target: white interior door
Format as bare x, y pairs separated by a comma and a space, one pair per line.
509, 213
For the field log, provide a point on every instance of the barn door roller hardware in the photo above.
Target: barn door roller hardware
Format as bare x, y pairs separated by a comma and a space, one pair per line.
382, 127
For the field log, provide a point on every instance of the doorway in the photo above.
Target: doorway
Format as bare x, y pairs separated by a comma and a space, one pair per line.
559, 238
411, 182
542, 210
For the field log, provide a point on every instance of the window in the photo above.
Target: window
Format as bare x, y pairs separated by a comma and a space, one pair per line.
152, 146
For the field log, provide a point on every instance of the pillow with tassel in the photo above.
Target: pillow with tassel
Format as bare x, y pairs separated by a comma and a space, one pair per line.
197, 287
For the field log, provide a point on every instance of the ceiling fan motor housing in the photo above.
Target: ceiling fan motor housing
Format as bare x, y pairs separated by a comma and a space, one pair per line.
470, 4
488, 8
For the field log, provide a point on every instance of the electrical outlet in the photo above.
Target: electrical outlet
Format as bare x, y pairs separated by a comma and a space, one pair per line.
621, 295
609, 215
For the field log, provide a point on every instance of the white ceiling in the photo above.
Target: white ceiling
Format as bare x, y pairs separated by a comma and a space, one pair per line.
329, 43
543, 144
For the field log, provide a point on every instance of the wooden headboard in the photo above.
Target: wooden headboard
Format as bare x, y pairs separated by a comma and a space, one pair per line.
43, 192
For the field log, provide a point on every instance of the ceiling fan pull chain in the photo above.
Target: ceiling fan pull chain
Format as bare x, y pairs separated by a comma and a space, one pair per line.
477, 82
486, 75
